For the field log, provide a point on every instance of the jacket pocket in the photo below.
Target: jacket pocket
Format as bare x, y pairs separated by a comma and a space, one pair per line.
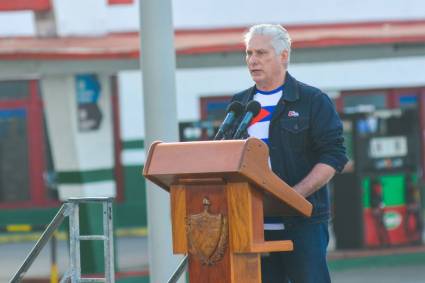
295, 131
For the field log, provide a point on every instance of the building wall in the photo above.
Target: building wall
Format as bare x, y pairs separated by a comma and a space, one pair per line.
132, 212
83, 156
193, 14
97, 17
80, 17
19, 23
222, 13
83, 145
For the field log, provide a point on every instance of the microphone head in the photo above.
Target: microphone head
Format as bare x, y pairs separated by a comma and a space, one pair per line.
254, 107
236, 107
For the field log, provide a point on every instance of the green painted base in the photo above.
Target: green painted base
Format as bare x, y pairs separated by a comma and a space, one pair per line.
144, 279
92, 256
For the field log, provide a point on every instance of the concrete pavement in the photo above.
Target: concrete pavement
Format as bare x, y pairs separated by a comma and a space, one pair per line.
389, 274
132, 256
131, 253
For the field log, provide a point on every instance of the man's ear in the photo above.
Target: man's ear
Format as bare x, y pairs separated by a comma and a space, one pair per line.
284, 56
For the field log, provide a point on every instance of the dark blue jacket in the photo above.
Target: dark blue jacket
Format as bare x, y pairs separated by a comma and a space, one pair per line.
304, 130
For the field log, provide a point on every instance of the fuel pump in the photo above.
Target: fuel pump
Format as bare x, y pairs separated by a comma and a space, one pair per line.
376, 201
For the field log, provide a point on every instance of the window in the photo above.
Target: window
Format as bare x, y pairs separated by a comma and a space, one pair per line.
357, 101
24, 174
14, 158
213, 108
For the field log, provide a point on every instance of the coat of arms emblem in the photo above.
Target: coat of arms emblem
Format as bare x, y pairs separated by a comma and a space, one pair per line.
207, 235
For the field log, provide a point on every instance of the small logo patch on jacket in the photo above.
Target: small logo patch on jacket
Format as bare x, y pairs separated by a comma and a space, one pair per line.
293, 114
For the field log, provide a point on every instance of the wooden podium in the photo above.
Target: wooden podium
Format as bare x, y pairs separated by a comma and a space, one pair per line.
220, 191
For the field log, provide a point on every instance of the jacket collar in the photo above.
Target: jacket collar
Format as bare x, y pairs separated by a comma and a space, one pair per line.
290, 91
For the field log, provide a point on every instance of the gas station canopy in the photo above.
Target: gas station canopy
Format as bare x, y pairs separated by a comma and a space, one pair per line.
126, 45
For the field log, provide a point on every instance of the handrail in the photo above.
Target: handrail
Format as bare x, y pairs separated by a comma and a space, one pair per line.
179, 271
27, 228
70, 208
47, 234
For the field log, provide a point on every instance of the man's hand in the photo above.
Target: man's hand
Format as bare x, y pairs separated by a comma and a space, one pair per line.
317, 178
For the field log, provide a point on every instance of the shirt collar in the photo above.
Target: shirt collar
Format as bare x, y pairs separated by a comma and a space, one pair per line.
290, 92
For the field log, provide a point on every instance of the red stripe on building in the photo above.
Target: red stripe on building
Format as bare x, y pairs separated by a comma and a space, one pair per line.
120, 2
118, 168
21, 5
36, 151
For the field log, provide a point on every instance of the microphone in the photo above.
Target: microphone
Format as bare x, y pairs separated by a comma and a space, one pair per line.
252, 109
234, 110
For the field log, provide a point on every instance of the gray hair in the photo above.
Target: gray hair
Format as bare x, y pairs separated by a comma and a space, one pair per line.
280, 37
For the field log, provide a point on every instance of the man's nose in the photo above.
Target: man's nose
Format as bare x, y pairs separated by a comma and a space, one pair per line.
252, 60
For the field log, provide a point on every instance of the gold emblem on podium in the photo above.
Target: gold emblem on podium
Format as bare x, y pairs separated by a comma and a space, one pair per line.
207, 235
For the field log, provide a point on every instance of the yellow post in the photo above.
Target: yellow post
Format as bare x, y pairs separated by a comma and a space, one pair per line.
54, 272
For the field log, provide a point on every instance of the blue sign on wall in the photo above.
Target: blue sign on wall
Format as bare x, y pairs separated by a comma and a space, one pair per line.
88, 93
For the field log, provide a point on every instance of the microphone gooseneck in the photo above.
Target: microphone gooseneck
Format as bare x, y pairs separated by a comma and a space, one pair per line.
252, 109
234, 110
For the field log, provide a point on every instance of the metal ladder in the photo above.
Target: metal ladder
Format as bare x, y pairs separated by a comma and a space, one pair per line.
71, 208
75, 238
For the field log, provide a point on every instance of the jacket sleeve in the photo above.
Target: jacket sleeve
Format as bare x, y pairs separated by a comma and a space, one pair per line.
326, 133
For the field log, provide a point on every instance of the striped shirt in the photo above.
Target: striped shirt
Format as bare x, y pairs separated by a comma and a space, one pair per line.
259, 128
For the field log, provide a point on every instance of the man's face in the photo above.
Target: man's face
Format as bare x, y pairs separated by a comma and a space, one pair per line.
267, 68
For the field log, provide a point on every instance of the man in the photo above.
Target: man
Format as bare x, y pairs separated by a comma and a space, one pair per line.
304, 135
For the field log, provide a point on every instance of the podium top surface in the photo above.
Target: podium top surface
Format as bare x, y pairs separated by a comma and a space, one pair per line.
230, 160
